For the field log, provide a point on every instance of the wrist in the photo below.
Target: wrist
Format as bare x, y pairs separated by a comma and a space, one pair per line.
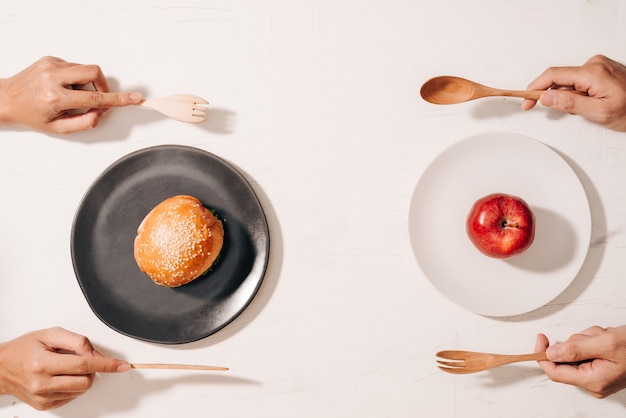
5, 103
3, 370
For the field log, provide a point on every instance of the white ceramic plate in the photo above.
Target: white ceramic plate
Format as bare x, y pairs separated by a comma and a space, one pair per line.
494, 163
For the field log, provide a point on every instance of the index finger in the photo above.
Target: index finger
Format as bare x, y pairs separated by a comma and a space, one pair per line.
78, 99
573, 77
74, 365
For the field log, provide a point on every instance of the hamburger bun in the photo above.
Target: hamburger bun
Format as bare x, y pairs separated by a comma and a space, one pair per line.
178, 241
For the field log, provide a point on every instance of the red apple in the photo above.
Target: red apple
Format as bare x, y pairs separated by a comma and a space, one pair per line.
501, 225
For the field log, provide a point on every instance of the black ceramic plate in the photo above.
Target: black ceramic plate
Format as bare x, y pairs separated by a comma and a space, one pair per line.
104, 230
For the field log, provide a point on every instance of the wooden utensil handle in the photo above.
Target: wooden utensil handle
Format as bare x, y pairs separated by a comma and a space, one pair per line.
176, 366
531, 94
530, 357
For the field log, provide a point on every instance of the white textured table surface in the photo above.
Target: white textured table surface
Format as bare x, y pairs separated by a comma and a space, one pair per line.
317, 103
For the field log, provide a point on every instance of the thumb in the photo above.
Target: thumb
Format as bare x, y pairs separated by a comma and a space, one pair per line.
574, 351
567, 101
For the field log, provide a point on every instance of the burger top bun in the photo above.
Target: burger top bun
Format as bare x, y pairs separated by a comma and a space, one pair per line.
178, 241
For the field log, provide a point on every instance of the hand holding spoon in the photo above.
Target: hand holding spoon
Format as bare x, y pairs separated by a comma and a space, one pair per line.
452, 90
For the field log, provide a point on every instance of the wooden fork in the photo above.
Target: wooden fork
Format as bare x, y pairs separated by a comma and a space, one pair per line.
463, 362
182, 107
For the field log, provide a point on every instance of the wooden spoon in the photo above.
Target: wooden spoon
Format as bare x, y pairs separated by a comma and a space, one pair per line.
451, 90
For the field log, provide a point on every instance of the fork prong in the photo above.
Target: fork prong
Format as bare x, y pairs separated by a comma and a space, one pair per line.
199, 111
188, 118
452, 354
456, 370
451, 363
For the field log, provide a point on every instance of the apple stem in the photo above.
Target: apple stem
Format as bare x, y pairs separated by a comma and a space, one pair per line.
505, 224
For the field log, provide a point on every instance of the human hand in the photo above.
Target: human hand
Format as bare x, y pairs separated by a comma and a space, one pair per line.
51, 367
602, 79
42, 97
594, 360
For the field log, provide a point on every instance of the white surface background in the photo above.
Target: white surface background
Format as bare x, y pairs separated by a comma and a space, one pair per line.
317, 103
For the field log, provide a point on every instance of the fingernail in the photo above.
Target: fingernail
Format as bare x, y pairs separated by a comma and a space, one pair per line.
554, 352
548, 99
123, 368
135, 97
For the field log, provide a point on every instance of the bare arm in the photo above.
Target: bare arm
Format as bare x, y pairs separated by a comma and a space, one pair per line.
51, 367
41, 97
